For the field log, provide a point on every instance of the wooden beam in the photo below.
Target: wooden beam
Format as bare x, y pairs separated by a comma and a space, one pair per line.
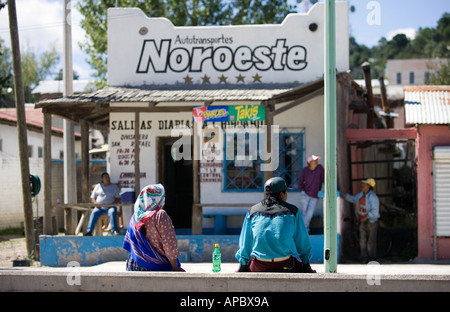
355, 135
85, 187
268, 139
368, 80
137, 168
298, 101
21, 127
149, 109
47, 129
197, 211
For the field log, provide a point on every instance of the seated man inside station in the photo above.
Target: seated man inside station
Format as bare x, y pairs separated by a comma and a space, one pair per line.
273, 236
104, 193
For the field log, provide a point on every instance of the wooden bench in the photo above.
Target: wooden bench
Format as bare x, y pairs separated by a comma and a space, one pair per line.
220, 221
86, 209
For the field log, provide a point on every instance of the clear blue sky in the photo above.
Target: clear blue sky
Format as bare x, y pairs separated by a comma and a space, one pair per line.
393, 15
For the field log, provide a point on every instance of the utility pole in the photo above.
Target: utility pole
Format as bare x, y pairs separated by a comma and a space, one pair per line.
70, 187
21, 127
330, 200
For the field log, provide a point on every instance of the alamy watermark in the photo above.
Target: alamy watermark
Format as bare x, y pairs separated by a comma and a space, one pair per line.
374, 276
243, 145
74, 276
374, 16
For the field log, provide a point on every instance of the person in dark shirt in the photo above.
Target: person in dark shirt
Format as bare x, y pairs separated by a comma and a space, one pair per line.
309, 184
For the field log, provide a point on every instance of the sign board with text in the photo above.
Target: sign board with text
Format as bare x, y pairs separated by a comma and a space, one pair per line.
229, 113
152, 51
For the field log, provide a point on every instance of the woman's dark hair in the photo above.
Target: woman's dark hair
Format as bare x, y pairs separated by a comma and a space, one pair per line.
271, 199
104, 173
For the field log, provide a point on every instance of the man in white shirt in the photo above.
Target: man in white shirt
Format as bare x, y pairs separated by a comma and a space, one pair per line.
104, 193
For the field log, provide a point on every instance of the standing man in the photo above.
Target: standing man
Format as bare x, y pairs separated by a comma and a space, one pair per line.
104, 193
368, 210
309, 184
273, 236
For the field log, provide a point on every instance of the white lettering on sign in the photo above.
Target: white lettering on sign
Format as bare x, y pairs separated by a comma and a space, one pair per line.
161, 57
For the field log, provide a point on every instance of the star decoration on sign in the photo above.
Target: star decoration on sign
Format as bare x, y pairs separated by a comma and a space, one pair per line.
188, 80
257, 78
223, 79
206, 79
240, 78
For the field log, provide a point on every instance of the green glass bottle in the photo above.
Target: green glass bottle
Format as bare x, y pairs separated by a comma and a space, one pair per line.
216, 258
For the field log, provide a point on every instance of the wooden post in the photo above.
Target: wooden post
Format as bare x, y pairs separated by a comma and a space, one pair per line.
368, 80
269, 123
47, 129
197, 211
85, 161
85, 186
137, 168
385, 104
21, 127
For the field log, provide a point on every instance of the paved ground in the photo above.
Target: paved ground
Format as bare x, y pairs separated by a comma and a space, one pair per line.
112, 276
14, 247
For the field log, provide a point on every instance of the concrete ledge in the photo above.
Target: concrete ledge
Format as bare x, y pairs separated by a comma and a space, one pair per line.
85, 281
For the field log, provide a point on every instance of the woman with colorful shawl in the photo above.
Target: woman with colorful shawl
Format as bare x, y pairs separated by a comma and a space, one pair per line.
150, 238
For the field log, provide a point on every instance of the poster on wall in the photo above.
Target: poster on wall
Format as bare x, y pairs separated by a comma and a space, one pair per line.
234, 113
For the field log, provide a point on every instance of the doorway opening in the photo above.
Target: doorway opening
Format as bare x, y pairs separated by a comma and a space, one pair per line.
176, 176
392, 163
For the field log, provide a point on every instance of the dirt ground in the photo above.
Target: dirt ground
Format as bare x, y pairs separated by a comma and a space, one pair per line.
13, 247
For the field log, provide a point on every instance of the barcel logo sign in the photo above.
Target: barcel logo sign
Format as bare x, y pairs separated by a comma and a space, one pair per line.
161, 56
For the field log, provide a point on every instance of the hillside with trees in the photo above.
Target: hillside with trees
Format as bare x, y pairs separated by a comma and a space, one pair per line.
428, 43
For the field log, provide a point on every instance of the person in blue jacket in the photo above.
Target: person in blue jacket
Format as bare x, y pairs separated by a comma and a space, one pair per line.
273, 236
368, 213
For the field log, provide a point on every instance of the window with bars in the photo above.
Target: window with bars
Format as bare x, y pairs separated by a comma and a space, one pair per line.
291, 158
242, 163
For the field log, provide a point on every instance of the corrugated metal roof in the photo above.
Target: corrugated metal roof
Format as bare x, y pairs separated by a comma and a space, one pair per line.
57, 86
121, 94
34, 117
427, 105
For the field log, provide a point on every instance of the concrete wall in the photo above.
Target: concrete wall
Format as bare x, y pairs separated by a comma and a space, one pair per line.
11, 205
58, 251
428, 137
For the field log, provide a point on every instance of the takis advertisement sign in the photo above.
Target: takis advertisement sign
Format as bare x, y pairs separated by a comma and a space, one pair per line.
152, 51
235, 113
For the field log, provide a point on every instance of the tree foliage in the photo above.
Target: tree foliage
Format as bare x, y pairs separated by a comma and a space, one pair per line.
34, 69
179, 12
428, 43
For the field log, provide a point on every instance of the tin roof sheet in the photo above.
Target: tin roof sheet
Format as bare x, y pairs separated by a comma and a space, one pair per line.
123, 94
427, 105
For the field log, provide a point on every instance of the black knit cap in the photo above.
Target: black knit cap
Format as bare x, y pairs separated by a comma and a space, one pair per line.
275, 185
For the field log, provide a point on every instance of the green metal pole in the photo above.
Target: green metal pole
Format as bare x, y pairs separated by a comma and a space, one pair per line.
330, 200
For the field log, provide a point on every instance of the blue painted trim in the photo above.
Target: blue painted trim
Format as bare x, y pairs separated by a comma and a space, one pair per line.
86, 250
58, 251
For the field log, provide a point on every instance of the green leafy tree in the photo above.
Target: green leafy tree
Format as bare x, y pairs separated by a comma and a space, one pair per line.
428, 43
36, 68
442, 75
6, 76
259, 12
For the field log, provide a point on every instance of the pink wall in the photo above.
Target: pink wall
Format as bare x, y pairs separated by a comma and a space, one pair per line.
428, 137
